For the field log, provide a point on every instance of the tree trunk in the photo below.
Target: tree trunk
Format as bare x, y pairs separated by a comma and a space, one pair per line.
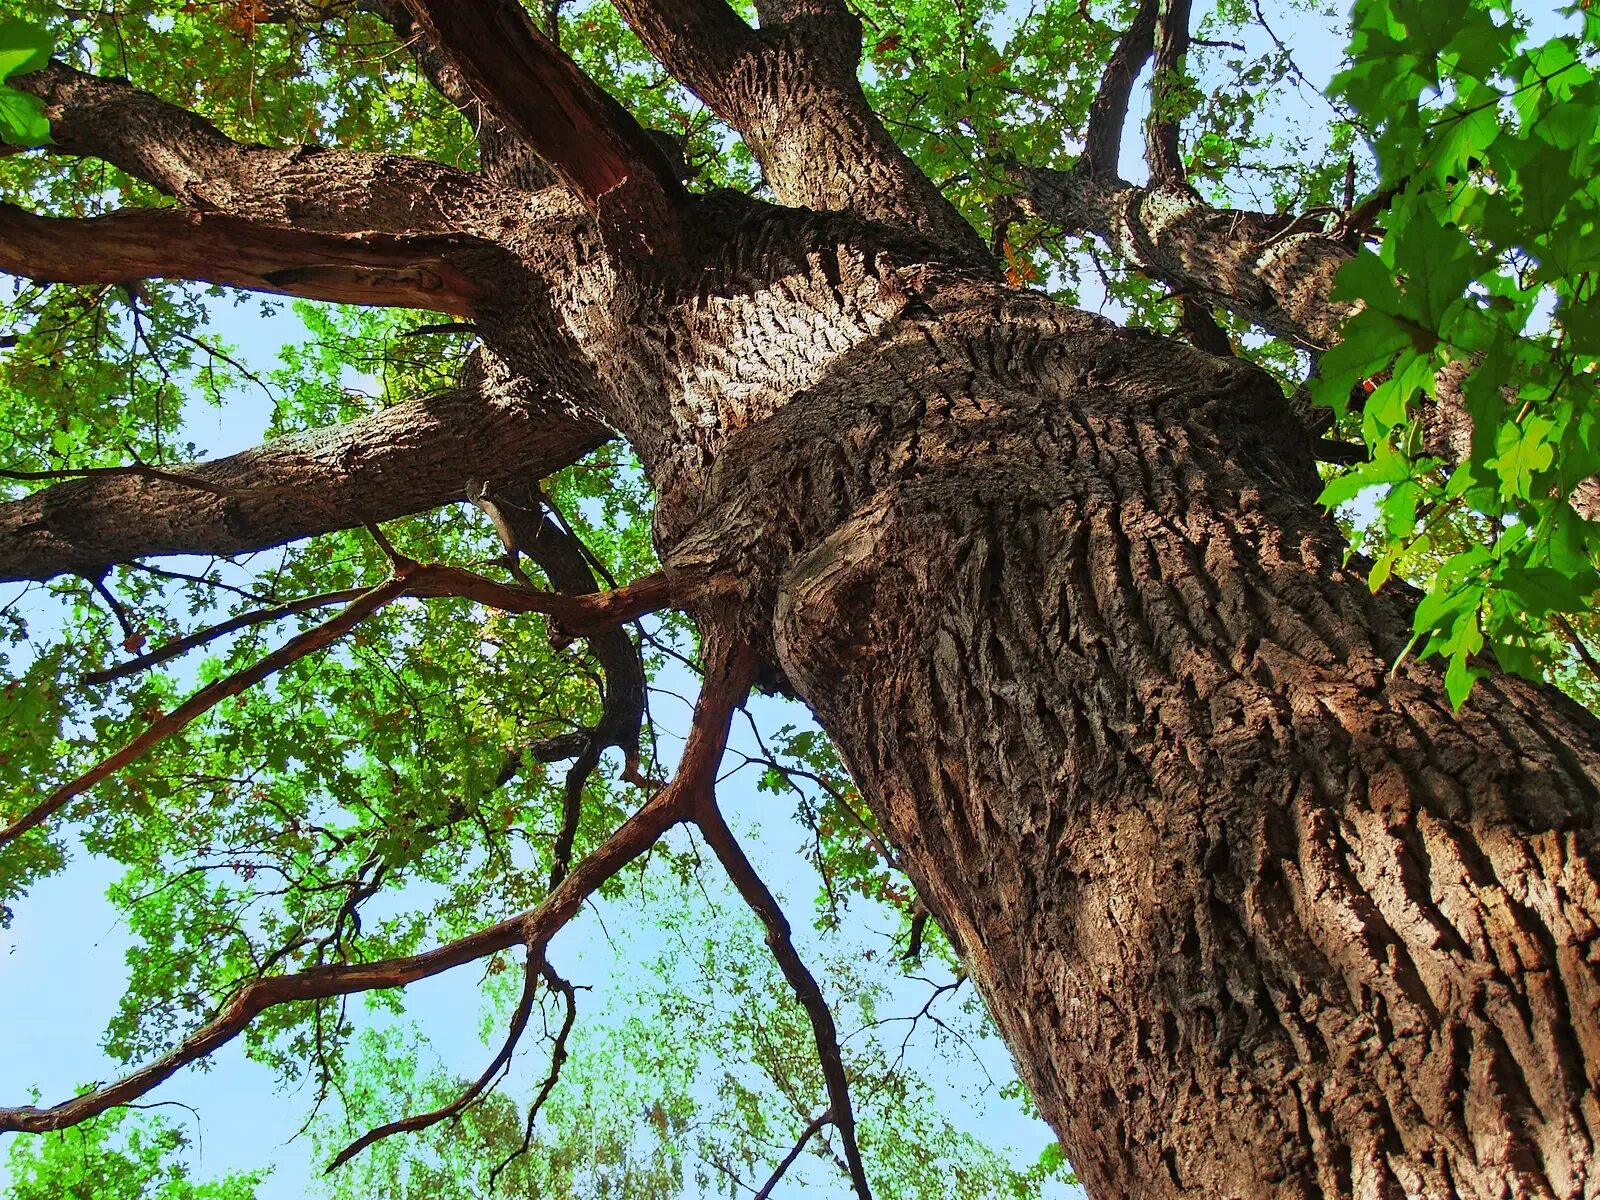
1258, 916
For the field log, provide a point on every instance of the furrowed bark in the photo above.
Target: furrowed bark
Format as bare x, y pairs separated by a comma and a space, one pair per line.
392, 270
1273, 270
1259, 917
189, 158
406, 459
791, 89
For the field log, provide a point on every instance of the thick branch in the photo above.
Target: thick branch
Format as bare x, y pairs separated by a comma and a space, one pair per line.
590, 140
791, 89
1273, 270
189, 158
394, 270
406, 459
1108, 112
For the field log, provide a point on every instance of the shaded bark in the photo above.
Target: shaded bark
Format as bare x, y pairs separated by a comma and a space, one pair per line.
401, 271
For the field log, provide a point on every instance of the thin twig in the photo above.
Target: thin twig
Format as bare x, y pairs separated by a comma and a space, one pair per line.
200, 637
759, 897
806, 1135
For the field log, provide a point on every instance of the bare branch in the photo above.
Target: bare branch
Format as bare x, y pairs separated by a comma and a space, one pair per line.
1163, 151
419, 1121
189, 158
762, 902
558, 1058
183, 645
208, 698
1108, 112
408, 458
533, 928
394, 270
813, 1127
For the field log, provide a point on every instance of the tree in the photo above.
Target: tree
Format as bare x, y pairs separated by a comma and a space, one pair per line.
1263, 901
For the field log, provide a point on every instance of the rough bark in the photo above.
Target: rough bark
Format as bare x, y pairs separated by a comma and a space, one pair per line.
189, 158
409, 458
1259, 917
1272, 269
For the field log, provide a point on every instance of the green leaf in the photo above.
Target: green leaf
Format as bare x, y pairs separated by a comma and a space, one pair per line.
22, 119
24, 47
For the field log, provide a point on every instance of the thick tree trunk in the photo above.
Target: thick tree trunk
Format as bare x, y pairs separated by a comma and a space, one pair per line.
1258, 917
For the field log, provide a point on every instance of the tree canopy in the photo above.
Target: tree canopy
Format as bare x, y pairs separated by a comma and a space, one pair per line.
310, 811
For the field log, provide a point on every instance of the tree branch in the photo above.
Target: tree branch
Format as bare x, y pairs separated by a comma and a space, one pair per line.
533, 928
581, 615
200, 637
813, 1127
590, 140
558, 1057
530, 528
395, 270
409, 458
189, 158
1273, 270
791, 89
419, 1121
1108, 111
762, 902
207, 698
1162, 149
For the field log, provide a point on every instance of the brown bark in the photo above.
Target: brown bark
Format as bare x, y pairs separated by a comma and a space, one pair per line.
1272, 269
1259, 917
189, 158
409, 458
400, 271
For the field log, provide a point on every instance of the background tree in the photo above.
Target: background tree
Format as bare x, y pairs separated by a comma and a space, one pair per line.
1275, 882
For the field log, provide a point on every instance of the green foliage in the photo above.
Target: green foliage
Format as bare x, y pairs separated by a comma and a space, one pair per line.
115, 1156
1479, 299
24, 47
692, 1071
352, 807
